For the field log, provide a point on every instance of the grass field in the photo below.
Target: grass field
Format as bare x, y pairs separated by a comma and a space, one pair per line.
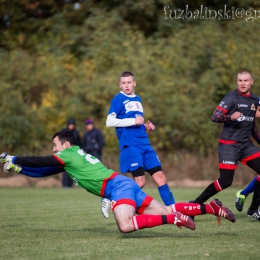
67, 224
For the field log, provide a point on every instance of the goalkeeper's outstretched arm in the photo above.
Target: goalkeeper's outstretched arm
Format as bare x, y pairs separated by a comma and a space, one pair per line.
41, 171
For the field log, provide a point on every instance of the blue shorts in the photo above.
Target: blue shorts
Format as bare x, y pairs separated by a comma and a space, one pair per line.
133, 157
123, 190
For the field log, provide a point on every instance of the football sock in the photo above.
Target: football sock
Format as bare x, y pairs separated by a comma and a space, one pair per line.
256, 197
207, 193
149, 221
166, 195
192, 209
249, 188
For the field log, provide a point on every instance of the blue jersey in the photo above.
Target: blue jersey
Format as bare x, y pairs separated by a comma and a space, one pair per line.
129, 106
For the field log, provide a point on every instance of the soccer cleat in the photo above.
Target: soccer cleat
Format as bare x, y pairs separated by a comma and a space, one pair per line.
181, 220
240, 199
221, 211
106, 206
254, 213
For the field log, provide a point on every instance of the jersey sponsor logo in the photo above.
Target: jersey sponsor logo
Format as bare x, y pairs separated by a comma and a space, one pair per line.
252, 107
245, 118
134, 106
228, 162
126, 101
134, 164
242, 105
222, 104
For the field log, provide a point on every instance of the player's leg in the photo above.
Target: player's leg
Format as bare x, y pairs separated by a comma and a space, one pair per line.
139, 176
228, 162
128, 222
131, 160
214, 207
127, 198
153, 167
241, 195
253, 161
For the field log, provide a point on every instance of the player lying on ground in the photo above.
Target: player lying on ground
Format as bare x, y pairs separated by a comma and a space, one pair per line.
126, 196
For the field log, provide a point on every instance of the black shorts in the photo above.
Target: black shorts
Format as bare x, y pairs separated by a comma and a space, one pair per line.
231, 153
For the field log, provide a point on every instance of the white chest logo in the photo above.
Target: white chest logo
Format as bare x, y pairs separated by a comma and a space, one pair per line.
134, 106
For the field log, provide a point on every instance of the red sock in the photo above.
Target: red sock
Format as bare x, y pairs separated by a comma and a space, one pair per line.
148, 221
192, 209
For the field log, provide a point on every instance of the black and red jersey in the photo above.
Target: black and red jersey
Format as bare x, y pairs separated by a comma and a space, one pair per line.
239, 130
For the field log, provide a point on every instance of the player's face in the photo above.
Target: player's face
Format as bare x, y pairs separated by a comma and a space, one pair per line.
58, 146
244, 83
127, 84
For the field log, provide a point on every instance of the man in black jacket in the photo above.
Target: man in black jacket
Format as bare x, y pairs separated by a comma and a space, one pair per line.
93, 140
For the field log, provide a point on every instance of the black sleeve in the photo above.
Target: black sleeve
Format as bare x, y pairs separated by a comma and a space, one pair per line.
255, 133
37, 161
220, 116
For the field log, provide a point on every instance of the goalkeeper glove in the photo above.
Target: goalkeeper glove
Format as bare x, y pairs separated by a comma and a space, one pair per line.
10, 167
4, 157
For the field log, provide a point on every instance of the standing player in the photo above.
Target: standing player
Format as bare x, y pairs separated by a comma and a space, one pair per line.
126, 196
237, 111
136, 153
242, 194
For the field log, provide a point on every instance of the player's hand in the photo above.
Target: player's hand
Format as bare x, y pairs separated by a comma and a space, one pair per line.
10, 167
139, 120
236, 115
4, 157
149, 126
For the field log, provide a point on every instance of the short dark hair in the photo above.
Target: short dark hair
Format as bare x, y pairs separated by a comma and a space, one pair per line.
66, 135
126, 74
245, 71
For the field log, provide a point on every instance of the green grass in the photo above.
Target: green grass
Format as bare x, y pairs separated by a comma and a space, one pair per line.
67, 224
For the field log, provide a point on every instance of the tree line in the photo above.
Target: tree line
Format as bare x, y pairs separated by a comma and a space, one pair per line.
62, 59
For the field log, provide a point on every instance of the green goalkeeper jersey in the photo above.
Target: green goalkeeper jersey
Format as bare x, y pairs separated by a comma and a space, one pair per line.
85, 170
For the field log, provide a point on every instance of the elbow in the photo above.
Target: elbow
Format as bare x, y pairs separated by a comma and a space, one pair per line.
213, 119
108, 122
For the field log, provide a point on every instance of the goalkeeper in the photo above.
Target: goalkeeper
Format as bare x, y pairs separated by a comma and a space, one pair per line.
126, 196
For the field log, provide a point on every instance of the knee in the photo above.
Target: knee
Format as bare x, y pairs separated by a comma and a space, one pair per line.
123, 228
159, 178
225, 183
226, 178
140, 181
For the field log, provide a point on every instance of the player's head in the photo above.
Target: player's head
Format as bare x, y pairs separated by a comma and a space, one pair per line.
63, 140
127, 82
244, 81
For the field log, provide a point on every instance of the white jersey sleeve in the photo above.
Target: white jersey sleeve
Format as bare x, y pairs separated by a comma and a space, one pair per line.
113, 121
